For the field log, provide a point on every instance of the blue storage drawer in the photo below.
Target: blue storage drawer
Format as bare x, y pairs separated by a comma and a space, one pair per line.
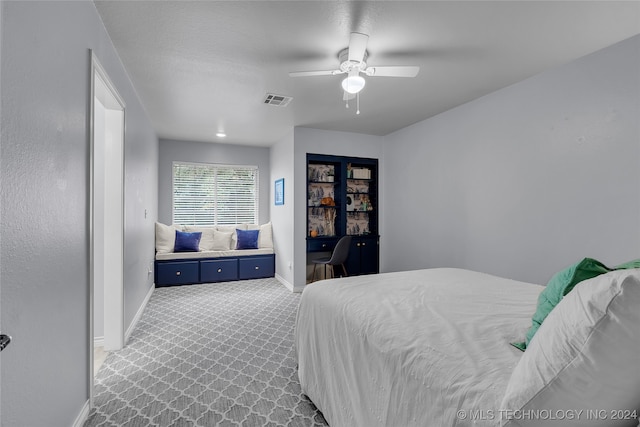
218, 270
256, 267
177, 273
320, 244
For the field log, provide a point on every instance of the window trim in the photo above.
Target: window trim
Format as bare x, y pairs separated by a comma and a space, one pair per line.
215, 166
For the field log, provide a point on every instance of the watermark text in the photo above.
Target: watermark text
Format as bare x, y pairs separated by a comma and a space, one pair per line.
548, 414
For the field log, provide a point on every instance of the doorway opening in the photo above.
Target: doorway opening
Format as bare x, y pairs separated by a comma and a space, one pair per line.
106, 322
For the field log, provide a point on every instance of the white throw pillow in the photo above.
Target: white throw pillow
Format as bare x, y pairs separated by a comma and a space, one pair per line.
585, 357
166, 237
206, 240
265, 236
222, 240
232, 229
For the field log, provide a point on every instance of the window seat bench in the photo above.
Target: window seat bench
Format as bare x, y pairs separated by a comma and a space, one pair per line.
207, 265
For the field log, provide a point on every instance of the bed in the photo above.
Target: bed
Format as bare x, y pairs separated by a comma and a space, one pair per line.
431, 348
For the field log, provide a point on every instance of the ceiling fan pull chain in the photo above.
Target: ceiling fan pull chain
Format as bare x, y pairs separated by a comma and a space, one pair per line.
358, 103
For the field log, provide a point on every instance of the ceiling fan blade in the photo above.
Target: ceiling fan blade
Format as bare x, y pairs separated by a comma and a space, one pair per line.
398, 71
348, 96
357, 46
315, 73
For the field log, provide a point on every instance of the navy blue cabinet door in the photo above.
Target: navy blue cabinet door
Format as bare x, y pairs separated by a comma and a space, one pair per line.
363, 256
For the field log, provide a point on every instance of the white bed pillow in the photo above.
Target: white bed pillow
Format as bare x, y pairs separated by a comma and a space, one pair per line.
222, 241
166, 237
206, 240
585, 356
265, 236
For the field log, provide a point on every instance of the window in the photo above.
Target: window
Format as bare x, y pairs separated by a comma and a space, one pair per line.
205, 194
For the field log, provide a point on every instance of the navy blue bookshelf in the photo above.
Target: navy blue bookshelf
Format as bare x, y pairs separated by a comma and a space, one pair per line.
342, 199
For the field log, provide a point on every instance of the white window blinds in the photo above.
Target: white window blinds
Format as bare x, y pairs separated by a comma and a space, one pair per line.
205, 194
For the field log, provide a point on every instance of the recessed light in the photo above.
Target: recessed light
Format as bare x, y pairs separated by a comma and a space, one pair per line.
221, 134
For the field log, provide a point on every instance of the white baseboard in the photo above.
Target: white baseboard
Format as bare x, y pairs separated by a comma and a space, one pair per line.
136, 318
83, 416
288, 284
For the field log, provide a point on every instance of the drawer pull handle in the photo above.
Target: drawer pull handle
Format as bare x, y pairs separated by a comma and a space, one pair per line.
364, 244
324, 245
177, 273
219, 270
257, 268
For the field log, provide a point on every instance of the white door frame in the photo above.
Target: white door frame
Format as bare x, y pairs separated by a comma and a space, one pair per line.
102, 87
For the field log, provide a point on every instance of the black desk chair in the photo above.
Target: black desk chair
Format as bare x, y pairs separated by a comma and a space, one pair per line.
338, 257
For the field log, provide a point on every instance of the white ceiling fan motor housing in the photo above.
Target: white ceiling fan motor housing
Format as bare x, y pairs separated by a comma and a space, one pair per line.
346, 66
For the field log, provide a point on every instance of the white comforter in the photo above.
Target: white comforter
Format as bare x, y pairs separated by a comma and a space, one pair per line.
425, 348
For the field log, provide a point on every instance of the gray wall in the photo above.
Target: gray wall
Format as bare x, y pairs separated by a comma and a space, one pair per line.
526, 180
282, 216
207, 152
44, 167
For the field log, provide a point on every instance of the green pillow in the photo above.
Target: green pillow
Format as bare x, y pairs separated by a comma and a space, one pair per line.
631, 264
522, 346
560, 285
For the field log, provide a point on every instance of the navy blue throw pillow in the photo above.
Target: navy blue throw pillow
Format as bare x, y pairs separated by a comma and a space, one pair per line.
187, 242
247, 239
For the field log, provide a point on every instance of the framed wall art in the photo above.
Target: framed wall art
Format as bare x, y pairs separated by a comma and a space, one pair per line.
279, 192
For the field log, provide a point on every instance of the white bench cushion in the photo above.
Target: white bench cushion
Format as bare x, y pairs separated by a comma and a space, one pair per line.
213, 254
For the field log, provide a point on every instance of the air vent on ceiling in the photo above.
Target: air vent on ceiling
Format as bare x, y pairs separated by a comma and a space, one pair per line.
277, 100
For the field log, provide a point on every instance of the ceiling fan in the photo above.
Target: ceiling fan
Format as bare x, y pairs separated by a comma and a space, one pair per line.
353, 63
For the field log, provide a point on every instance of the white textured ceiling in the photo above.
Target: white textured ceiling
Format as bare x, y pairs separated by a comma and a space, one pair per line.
204, 66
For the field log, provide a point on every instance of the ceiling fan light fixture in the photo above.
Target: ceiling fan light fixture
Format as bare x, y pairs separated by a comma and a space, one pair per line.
353, 83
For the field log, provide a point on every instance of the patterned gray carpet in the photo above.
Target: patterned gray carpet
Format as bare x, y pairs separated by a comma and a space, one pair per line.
208, 355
